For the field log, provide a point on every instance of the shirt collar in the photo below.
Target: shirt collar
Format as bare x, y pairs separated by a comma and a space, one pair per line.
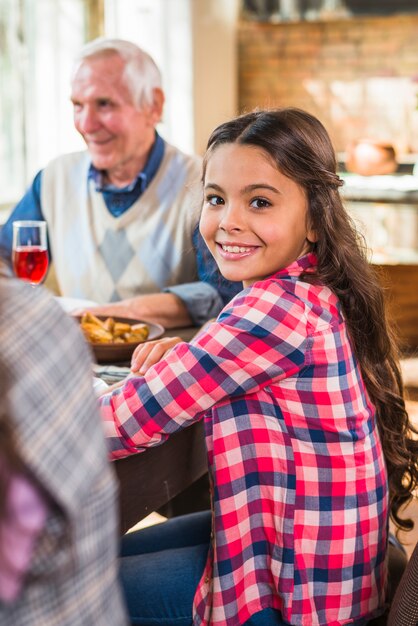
144, 177
306, 263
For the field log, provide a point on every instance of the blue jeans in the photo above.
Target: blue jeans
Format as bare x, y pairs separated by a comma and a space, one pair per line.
160, 568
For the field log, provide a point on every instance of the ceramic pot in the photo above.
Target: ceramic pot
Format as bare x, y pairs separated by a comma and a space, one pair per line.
368, 157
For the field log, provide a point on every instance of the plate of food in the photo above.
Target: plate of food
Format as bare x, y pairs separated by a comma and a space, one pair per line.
113, 339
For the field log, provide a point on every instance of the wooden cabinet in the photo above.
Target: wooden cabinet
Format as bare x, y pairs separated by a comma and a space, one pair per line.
401, 286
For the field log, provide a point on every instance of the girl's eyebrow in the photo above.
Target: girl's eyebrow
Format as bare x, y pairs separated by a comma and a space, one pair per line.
255, 186
246, 189
213, 186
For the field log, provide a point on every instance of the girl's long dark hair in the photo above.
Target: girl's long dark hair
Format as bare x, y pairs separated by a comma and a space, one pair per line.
302, 150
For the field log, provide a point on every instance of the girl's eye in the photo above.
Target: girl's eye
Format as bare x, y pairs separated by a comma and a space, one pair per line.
260, 203
214, 200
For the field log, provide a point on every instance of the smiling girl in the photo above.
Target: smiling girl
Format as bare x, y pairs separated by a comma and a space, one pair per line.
298, 385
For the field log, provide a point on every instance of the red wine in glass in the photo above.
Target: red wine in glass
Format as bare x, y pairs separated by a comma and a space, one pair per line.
30, 251
30, 263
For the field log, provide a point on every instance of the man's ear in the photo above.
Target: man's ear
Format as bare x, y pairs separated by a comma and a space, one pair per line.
156, 109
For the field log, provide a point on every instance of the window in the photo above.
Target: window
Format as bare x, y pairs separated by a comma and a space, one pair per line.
192, 42
38, 41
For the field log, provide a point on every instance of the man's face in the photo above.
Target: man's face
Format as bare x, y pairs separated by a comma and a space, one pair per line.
117, 133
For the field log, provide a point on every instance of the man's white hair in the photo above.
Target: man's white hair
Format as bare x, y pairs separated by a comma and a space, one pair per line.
141, 74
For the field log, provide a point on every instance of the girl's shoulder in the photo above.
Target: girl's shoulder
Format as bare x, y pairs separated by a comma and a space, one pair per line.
265, 301
285, 299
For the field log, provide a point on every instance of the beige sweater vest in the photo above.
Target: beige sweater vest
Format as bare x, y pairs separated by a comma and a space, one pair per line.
105, 258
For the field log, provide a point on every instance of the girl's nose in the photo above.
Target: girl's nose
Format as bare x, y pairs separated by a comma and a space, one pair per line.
231, 219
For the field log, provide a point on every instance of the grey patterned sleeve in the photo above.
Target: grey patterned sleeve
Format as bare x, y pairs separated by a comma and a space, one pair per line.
201, 300
404, 610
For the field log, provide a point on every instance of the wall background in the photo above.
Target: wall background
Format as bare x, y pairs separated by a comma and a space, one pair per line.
356, 74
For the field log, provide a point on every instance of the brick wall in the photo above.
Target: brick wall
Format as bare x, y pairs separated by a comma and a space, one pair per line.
355, 74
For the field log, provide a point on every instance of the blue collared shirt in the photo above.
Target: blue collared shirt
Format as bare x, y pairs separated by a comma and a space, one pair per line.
119, 199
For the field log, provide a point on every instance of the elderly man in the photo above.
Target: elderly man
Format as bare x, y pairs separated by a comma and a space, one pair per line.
122, 215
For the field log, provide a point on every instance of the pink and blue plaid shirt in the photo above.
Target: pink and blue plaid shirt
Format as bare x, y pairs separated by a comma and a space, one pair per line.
300, 501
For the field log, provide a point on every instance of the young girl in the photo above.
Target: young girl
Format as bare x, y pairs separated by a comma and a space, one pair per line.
298, 385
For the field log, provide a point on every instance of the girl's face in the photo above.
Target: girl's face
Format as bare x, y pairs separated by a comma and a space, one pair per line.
254, 219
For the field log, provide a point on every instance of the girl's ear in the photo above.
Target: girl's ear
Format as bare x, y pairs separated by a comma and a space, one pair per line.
311, 235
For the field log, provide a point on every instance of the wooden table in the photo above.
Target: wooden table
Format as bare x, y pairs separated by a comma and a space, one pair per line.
152, 478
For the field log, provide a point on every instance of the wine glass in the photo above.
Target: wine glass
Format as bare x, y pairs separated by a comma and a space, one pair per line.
30, 250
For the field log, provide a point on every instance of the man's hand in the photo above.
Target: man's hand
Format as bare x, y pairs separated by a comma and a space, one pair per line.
161, 308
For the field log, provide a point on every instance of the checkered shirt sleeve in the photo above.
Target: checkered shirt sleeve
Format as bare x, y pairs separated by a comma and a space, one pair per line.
236, 355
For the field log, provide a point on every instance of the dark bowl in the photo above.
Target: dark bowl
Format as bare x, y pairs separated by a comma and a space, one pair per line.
118, 352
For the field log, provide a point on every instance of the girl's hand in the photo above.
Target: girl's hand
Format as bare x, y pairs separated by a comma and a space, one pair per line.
150, 352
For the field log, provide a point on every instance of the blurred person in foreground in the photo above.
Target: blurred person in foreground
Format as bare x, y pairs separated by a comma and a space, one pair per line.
122, 215
404, 609
58, 524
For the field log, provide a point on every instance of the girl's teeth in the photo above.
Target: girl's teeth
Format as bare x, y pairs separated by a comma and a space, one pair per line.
235, 249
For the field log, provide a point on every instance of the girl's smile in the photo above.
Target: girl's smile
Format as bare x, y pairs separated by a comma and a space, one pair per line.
254, 218
234, 251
